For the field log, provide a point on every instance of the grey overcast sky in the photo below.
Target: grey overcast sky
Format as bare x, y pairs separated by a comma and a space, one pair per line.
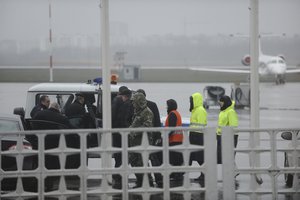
28, 19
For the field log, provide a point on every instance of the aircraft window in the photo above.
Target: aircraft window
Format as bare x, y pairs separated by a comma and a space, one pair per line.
281, 61
274, 61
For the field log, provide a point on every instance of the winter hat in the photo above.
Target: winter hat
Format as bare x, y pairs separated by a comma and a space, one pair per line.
125, 92
226, 100
172, 105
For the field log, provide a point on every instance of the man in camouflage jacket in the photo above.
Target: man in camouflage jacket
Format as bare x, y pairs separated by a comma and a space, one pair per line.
142, 117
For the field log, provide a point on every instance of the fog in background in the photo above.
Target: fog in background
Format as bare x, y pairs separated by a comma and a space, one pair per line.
147, 32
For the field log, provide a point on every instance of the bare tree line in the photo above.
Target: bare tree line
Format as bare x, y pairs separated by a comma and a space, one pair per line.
156, 51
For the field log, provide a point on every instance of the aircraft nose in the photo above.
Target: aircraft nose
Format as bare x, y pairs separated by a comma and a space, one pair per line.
279, 69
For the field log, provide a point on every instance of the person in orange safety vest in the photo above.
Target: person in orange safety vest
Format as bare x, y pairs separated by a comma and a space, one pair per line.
175, 138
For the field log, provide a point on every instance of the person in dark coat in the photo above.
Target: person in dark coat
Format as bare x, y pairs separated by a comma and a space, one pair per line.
52, 141
76, 112
122, 109
53, 115
125, 113
153, 107
115, 106
47, 116
77, 107
43, 104
122, 113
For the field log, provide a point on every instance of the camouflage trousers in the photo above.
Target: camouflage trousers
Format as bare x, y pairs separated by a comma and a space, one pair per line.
135, 139
136, 160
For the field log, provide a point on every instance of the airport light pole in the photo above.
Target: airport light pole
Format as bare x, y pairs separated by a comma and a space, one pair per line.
50, 44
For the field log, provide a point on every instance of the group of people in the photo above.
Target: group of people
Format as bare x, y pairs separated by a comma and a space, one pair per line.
75, 116
133, 110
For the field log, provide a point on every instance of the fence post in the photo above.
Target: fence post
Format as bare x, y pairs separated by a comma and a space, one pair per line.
210, 155
228, 163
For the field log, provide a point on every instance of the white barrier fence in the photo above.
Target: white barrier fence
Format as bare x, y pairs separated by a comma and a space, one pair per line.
74, 164
264, 161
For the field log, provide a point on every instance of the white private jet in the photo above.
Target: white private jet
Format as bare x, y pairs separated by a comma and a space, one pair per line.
268, 65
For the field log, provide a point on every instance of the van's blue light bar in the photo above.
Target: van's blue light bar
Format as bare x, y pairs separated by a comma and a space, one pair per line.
98, 80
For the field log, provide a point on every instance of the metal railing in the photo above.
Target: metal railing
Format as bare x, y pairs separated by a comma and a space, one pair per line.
75, 169
263, 176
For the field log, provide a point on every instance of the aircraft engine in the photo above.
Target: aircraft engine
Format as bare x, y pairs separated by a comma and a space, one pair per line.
281, 56
246, 60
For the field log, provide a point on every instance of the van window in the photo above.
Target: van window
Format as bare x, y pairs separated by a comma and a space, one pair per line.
64, 100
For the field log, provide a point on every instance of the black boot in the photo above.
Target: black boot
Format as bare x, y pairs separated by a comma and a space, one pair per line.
139, 180
116, 181
202, 180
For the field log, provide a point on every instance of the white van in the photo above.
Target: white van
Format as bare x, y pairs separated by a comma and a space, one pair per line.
64, 95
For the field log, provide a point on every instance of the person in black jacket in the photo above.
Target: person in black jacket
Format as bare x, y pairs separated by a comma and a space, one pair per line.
43, 104
53, 115
153, 107
76, 112
122, 110
122, 113
115, 106
52, 119
47, 119
155, 138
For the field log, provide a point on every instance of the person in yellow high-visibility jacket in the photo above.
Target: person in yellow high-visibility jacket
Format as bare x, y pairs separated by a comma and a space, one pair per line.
227, 117
198, 119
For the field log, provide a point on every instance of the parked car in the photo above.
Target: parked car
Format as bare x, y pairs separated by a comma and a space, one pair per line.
288, 158
9, 143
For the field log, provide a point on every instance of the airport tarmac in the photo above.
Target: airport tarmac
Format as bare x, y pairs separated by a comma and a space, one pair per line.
279, 104
279, 108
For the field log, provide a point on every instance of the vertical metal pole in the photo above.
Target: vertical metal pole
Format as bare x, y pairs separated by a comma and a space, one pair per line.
106, 97
254, 77
228, 163
210, 153
105, 65
254, 82
274, 162
50, 45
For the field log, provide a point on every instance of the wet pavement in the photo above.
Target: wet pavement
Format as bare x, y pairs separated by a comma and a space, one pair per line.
279, 108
